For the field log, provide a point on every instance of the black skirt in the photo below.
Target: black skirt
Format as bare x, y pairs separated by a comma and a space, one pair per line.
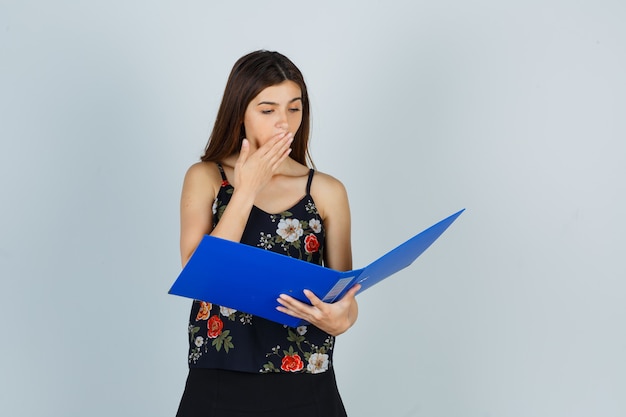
217, 393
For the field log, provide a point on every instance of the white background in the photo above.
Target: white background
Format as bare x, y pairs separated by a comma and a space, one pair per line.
514, 110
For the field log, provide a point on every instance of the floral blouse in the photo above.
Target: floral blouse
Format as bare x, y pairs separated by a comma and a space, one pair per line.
224, 338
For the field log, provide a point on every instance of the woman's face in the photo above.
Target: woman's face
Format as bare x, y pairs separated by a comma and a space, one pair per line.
274, 110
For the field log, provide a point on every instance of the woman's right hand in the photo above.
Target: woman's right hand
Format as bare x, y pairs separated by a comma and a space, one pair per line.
254, 169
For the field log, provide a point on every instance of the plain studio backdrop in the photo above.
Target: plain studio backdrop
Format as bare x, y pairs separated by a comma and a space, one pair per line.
513, 110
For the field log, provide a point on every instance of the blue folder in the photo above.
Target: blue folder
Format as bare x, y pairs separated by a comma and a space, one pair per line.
250, 279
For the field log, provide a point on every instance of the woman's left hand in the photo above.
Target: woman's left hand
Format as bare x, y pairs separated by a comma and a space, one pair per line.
333, 318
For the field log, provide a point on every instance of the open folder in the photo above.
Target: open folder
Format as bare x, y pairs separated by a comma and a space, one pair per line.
250, 279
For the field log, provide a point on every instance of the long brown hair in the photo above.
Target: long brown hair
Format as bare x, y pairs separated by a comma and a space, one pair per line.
250, 75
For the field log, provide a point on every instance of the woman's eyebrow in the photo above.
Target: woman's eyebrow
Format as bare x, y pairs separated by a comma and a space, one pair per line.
271, 103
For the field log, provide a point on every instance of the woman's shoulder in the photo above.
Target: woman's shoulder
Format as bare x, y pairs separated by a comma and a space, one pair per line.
326, 183
328, 193
203, 175
203, 170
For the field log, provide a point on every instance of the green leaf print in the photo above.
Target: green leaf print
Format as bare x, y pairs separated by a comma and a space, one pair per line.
294, 337
223, 340
269, 367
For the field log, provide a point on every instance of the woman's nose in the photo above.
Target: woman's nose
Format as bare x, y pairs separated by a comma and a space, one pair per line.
282, 123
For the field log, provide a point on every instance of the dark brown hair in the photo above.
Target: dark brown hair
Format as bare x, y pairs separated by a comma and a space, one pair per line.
250, 75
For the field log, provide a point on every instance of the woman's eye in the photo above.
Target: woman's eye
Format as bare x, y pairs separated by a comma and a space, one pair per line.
267, 111
294, 110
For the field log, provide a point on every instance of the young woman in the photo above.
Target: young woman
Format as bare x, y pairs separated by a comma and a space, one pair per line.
254, 186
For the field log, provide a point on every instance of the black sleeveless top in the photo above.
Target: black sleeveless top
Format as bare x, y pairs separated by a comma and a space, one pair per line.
224, 338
